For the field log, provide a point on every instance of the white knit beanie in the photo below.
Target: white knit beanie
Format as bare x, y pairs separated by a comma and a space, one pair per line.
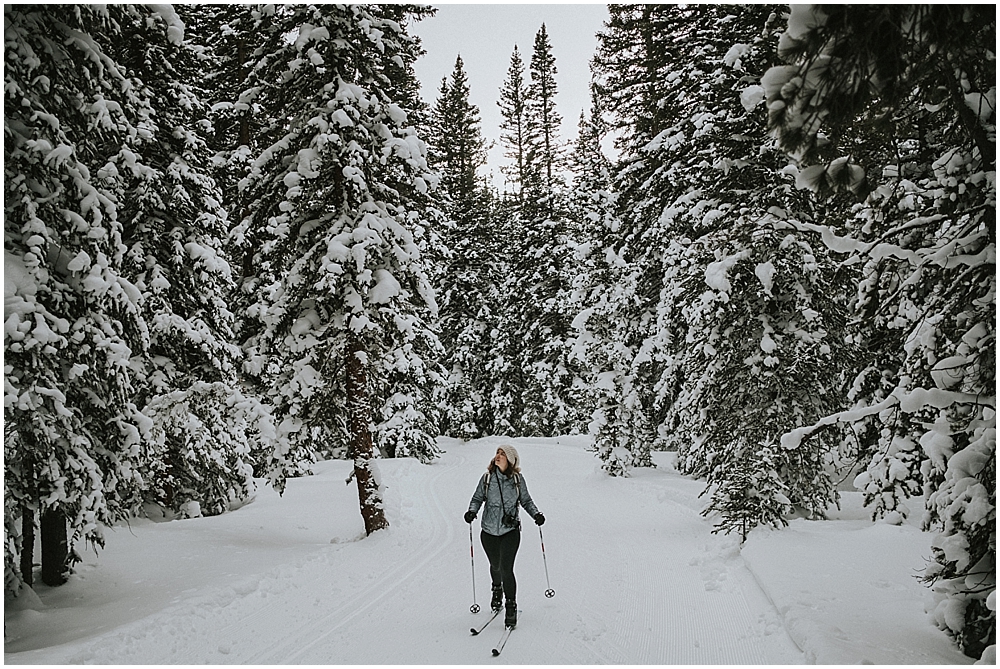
512, 457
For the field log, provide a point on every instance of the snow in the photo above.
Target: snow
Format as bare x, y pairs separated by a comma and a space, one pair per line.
175, 27
734, 56
765, 274
861, 602
804, 18
385, 289
984, 105
717, 273
638, 575
751, 96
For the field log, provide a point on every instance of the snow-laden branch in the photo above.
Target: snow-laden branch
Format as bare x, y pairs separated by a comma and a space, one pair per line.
879, 250
906, 401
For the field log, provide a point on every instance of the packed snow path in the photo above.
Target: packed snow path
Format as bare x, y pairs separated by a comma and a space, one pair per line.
639, 578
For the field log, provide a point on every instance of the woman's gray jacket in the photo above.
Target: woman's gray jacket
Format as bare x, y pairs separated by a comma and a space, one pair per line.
513, 490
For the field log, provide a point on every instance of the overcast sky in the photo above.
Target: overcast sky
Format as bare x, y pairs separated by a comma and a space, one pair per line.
485, 35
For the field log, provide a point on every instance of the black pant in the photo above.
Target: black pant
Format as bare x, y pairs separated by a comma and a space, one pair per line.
501, 552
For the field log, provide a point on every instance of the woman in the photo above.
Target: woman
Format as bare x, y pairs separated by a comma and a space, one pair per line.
502, 487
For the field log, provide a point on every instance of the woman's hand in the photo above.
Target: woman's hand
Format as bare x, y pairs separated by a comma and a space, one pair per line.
539, 519
470, 516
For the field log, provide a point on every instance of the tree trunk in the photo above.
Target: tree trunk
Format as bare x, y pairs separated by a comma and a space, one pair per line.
55, 547
358, 412
28, 545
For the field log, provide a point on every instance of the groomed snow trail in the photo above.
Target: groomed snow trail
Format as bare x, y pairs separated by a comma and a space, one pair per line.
639, 579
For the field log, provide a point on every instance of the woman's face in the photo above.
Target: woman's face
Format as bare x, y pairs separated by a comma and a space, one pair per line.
500, 460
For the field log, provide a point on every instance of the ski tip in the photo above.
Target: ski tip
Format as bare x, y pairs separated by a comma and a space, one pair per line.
495, 652
474, 631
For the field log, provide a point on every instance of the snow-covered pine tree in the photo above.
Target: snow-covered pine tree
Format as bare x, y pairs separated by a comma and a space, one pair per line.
618, 422
466, 280
544, 155
73, 437
621, 318
733, 321
537, 389
207, 435
175, 228
752, 492
336, 207
175, 223
899, 102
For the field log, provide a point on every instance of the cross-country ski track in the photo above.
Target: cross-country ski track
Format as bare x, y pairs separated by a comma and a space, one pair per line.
638, 575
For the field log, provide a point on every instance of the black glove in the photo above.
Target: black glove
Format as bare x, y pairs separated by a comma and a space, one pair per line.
539, 519
470, 516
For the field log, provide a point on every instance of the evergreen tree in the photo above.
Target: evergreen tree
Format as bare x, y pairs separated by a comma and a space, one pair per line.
544, 154
727, 325
898, 103
336, 209
208, 435
175, 228
537, 388
467, 278
225, 40
186, 281
458, 150
752, 493
619, 424
73, 437
516, 134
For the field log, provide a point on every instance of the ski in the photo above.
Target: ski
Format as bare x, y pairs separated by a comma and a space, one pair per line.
506, 634
503, 640
477, 631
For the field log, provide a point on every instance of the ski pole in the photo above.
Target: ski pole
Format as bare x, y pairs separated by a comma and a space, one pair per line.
472, 553
549, 592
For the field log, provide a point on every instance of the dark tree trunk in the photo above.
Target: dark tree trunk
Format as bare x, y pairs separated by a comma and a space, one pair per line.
361, 438
55, 547
28, 545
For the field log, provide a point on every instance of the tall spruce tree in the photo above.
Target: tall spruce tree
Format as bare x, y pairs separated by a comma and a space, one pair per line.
619, 424
467, 278
537, 388
899, 104
545, 152
727, 324
516, 134
175, 228
73, 437
225, 40
336, 208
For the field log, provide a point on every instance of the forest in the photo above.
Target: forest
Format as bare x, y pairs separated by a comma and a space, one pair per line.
238, 242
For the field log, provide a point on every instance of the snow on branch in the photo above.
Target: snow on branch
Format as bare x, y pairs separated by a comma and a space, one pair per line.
907, 402
879, 250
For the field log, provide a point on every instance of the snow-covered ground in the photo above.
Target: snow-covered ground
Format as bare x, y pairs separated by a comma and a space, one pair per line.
639, 579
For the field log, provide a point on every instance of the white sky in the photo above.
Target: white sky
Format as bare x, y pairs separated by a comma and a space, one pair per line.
485, 35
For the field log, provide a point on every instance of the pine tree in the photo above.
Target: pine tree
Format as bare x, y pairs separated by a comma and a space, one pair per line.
516, 133
619, 424
175, 223
336, 209
73, 438
458, 150
467, 279
726, 327
176, 230
752, 492
898, 104
225, 40
544, 154
537, 389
